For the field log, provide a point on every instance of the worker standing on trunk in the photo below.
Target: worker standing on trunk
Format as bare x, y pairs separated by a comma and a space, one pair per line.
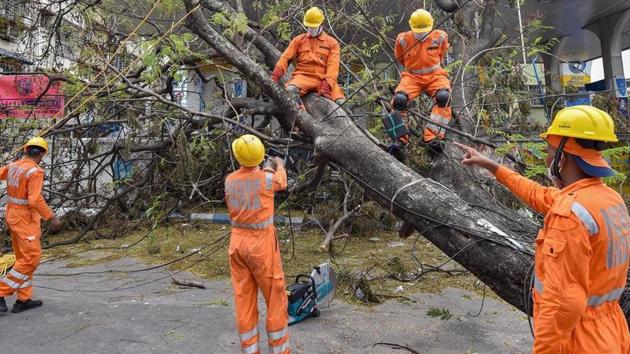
421, 52
316, 57
581, 260
254, 255
25, 209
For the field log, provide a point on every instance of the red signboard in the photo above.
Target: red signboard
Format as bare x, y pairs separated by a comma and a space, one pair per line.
30, 96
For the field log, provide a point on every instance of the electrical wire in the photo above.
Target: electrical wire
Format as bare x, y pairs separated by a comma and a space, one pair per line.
139, 270
121, 288
488, 236
393, 61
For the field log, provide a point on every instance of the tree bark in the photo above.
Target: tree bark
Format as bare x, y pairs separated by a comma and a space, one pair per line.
440, 213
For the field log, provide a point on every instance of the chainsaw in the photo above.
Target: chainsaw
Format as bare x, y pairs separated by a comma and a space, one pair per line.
311, 292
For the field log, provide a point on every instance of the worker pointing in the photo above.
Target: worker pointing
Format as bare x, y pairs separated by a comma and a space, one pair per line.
581, 259
316, 57
255, 261
25, 209
421, 53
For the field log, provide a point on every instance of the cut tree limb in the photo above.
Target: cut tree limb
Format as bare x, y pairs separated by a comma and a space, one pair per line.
188, 283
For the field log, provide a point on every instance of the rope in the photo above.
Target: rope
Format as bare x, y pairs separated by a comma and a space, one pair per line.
6, 262
391, 209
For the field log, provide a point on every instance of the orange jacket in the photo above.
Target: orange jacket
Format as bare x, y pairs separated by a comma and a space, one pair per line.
24, 189
421, 58
314, 56
581, 264
249, 196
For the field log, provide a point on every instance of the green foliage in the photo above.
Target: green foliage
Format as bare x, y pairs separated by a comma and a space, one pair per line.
443, 313
156, 55
231, 25
536, 170
155, 212
617, 180
153, 246
616, 152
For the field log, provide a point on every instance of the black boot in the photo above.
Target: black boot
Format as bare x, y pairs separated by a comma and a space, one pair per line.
406, 230
398, 149
20, 306
434, 148
3, 305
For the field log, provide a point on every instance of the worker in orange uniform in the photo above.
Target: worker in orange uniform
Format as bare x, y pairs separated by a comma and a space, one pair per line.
581, 260
254, 254
316, 58
421, 53
25, 209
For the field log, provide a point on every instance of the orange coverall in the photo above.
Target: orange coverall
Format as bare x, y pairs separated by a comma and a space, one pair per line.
25, 209
423, 72
316, 59
254, 255
581, 264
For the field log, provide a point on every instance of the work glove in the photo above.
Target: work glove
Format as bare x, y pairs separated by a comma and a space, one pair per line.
276, 75
324, 89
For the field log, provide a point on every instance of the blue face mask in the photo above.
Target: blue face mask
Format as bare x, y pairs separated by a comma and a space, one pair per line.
314, 31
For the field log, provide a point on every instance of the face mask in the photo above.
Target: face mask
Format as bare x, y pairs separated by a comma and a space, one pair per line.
557, 182
420, 36
314, 31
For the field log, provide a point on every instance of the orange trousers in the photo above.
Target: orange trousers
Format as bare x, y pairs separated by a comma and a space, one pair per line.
414, 85
25, 238
307, 83
255, 263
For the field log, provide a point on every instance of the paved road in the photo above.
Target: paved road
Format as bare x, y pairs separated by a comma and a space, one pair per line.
161, 318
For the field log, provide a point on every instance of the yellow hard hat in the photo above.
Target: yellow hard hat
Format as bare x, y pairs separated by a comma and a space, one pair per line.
37, 141
248, 150
314, 17
585, 122
421, 21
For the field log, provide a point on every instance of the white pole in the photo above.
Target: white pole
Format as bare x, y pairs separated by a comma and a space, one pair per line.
520, 26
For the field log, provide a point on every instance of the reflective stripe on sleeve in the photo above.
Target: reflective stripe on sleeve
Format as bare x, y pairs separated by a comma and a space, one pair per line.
268, 181
585, 217
31, 171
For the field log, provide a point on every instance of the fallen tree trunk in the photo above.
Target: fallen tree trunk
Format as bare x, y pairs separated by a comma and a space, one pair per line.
457, 227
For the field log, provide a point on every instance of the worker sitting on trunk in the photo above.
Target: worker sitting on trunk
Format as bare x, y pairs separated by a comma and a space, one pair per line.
420, 52
581, 260
316, 58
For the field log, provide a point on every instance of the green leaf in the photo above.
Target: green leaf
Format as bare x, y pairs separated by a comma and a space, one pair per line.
443, 313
